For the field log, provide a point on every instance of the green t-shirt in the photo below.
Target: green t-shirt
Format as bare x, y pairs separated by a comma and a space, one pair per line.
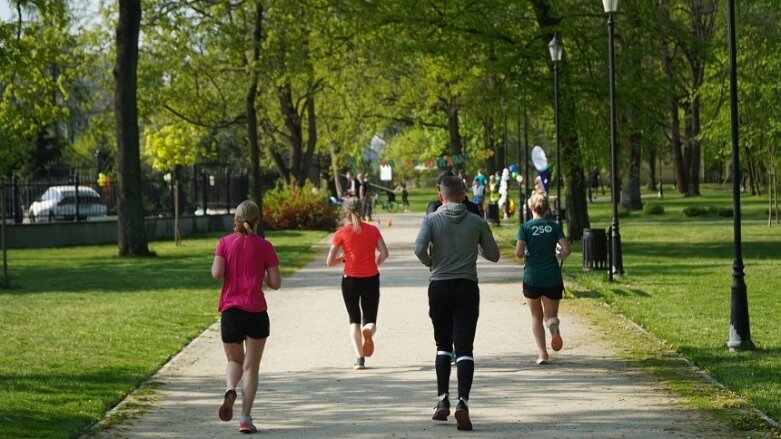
542, 268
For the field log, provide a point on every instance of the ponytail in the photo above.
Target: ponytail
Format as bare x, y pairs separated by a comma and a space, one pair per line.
353, 210
247, 214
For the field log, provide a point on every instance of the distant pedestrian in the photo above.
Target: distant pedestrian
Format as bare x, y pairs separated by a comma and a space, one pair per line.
402, 187
367, 197
436, 204
244, 260
541, 243
360, 247
448, 243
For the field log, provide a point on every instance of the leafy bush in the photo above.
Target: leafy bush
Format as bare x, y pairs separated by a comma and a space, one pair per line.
290, 207
653, 209
695, 211
708, 211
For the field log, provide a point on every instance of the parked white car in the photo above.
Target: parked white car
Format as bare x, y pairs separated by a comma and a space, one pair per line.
58, 203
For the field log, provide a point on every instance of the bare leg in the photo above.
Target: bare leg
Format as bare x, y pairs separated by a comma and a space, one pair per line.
535, 307
251, 366
235, 354
550, 309
357, 338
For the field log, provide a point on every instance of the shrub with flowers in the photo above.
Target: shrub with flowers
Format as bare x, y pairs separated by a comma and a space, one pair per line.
293, 207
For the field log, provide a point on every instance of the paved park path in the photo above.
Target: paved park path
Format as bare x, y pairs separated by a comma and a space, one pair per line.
308, 388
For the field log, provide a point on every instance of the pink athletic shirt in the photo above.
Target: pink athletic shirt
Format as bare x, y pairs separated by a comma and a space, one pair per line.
358, 249
246, 260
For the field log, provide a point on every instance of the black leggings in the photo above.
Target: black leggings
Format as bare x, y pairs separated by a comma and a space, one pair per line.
454, 306
361, 294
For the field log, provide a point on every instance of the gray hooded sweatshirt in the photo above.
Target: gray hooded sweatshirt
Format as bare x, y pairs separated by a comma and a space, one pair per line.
456, 237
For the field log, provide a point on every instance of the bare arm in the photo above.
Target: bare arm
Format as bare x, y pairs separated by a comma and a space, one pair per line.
218, 268
565, 250
273, 278
383, 249
334, 256
520, 249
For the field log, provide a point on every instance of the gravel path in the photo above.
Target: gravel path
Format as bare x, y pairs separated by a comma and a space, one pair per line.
309, 389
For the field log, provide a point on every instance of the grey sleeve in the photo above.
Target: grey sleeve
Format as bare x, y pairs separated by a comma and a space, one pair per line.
488, 247
422, 243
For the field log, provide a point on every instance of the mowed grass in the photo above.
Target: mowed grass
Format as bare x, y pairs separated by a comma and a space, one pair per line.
677, 286
81, 327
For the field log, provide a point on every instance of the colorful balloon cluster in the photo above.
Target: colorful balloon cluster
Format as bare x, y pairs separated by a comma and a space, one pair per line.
514, 172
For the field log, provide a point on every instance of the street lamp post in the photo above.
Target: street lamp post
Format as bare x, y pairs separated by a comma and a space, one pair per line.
739, 329
555, 49
616, 259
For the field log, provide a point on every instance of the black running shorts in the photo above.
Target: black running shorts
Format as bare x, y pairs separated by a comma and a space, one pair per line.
555, 292
237, 324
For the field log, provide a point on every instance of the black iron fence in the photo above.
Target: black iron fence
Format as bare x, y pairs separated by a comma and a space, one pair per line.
83, 194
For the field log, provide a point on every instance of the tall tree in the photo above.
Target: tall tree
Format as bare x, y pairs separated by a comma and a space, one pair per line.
131, 230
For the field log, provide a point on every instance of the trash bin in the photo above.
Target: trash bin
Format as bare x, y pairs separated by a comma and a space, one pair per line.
594, 249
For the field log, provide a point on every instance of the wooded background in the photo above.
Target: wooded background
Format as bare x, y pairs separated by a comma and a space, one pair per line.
277, 85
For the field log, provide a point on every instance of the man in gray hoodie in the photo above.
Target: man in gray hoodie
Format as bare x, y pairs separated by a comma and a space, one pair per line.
453, 294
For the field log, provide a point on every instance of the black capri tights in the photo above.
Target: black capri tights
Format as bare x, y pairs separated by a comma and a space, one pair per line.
361, 294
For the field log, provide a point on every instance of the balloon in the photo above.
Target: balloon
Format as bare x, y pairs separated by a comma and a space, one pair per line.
518, 178
514, 174
539, 159
513, 169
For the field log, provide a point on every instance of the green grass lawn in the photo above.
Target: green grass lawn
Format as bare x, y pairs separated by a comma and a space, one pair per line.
81, 327
677, 286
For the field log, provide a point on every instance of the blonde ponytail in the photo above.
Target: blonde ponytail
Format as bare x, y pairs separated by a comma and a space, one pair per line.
247, 214
353, 210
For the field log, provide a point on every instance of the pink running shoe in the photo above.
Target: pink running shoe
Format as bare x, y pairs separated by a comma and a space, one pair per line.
246, 426
542, 359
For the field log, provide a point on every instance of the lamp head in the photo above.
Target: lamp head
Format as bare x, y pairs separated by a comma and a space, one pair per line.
610, 6
555, 49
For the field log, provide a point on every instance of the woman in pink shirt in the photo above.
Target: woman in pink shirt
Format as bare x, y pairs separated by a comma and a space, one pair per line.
243, 261
361, 247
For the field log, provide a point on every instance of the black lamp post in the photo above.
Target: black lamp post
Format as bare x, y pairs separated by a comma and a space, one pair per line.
616, 260
556, 48
739, 329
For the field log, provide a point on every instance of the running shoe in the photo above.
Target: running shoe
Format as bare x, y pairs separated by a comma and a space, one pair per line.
246, 426
442, 410
462, 416
542, 359
360, 364
226, 409
368, 344
555, 342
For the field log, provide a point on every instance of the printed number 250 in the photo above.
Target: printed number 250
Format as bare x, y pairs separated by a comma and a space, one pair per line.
539, 230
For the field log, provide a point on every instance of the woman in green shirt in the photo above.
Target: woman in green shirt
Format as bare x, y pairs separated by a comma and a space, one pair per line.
541, 243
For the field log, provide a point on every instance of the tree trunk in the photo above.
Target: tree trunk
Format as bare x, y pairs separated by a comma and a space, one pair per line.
131, 231
453, 129
695, 148
311, 141
256, 188
294, 130
2, 234
652, 153
489, 145
630, 186
572, 164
